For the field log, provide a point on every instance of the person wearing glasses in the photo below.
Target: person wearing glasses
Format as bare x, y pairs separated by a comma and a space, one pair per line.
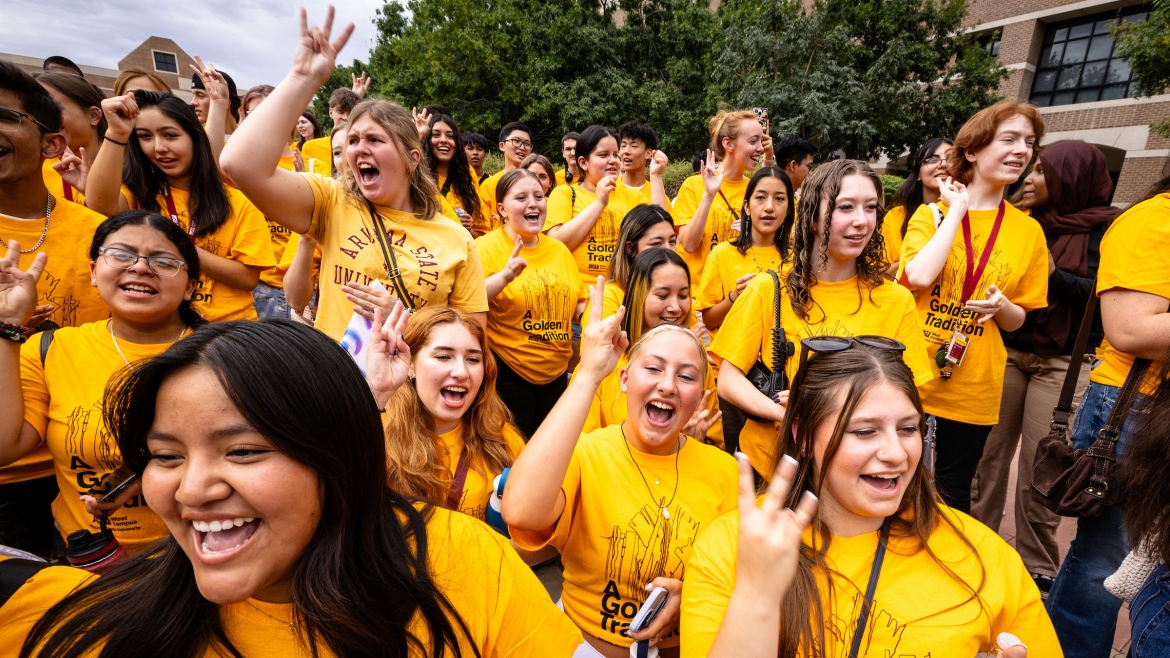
624, 503
34, 220
851, 551
919, 188
974, 274
515, 144
834, 286
52, 386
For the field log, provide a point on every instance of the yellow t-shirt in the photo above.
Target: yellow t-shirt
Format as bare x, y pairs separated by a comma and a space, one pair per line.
644, 192
63, 403
594, 252
477, 488
609, 403
613, 536
438, 259
839, 309
612, 298
318, 155
1133, 257
244, 238
487, 193
64, 284
479, 222
290, 252
724, 267
892, 232
274, 276
57, 186
506, 609
529, 321
1018, 267
947, 621
719, 218
560, 173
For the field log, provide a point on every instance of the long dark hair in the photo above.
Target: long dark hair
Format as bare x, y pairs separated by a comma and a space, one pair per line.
317, 132
636, 224
458, 169
170, 232
587, 144
909, 193
853, 371
824, 184
645, 264
82, 92
209, 207
744, 241
1145, 489
363, 577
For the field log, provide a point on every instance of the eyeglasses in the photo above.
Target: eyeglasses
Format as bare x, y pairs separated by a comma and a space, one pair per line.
519, 144
828, 344
124, 260
10, 120
932, 160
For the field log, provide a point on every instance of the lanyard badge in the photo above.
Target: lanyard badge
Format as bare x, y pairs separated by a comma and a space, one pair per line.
950, 354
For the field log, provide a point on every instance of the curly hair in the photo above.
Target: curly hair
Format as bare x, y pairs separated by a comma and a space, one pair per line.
822, 187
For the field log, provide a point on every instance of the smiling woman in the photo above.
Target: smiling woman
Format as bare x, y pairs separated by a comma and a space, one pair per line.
283, 532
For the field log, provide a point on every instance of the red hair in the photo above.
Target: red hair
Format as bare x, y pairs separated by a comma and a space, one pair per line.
980, 130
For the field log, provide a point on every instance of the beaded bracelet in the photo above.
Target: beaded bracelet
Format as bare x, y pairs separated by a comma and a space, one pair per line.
14, 332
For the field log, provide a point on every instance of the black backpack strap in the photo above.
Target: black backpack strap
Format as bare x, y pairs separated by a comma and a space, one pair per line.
14, 573
46, 341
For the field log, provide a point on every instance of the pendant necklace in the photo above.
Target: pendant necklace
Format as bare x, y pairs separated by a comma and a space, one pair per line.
630, 452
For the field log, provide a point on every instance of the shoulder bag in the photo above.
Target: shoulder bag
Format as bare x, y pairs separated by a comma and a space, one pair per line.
771, 380
1076, 482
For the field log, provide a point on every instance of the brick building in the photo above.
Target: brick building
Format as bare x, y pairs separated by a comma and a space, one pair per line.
157, 55
1061, 58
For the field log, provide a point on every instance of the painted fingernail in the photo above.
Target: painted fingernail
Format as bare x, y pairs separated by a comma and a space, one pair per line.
649, 586
810, 496
790, 460
740, 455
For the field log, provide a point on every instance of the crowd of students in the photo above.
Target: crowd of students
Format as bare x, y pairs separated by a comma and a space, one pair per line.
769, 411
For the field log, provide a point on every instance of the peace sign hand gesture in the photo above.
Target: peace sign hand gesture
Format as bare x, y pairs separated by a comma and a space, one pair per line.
18, 288
388, 355
316, 56
422, 122
213, 82
712, 177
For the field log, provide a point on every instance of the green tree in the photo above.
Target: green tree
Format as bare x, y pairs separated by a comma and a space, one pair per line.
1145, 46
861, 77
341, 78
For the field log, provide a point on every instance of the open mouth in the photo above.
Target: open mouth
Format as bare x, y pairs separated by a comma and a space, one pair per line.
659, 413
226, 535
885, 482
453, 396
367, 173
167, 163
532, 217
138, 290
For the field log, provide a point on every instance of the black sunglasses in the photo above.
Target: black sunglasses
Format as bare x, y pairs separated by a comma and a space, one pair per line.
10, 120
826, 344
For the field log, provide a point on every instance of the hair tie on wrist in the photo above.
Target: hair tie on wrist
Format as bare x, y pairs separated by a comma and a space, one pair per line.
109, 139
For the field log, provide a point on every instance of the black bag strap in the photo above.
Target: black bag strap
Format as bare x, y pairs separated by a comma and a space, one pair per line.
46, 341
1129, 390
446, 187
573, 203
1061, 415
14, 573
391, 262
879, 556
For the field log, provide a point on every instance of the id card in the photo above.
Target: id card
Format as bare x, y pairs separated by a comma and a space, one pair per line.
957, 348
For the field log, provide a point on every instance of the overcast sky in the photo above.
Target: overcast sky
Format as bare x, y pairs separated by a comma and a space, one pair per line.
252, 40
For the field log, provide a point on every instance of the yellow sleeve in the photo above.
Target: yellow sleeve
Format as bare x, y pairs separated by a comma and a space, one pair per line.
741, 335
711, 290
708, 585
327, 193
918, 233
558, 533
487, 256
252, 242
560, 207
910, 334
687, 201
1032, 291
470, 290
447, 210
1023, 613
34, 385
892, 232
1133, 251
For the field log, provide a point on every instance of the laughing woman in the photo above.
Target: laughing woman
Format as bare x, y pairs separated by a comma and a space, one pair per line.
447, 161
622, 504
379, 221
285, 539
157, 158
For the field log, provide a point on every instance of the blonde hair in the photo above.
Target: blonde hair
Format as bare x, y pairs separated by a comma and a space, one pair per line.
664, 328
399, 125
129, 74
726, 124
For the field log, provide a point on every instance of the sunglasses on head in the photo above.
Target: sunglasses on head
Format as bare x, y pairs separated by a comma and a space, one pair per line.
827, 344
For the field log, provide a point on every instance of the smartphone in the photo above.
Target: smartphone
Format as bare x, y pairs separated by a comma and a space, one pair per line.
761, 114
124, 477
649, 610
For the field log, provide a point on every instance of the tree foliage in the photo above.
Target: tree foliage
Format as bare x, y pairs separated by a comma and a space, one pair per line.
340, 78
1145, 46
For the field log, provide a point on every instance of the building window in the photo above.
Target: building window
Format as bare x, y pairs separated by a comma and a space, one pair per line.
1078, 63
165, 62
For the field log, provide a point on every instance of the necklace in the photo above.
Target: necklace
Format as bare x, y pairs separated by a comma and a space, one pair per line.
110, 326
292, 625
44, 231
630, 452
771, 262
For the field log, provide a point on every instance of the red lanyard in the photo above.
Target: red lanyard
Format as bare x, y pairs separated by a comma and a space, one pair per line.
973, 274
67, 191
166, 189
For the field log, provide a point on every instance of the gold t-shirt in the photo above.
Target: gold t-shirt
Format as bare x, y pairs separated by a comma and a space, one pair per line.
487, 193
63, 403
529, 321
318, 155
919, 609
719, 218
244, 238
437, 258
274, 276
843, 308
594, 252
614, 538
644, 191
57, 185
724, 267
1134, 256
892, 232
1018, 266
477, 488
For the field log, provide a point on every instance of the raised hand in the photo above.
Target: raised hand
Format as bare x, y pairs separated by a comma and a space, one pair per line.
605, 187
316, 56
603, 342
73, 169
213, 81
770, 535
515, 264
740, 283
658, 163
954, 194
361, 84
769, 153
298, 161
388, 355
18, 288
712, 177
121, 116
422, 122
701, 420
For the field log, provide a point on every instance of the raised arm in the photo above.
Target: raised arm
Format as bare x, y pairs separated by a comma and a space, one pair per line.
252, 155
658, 164
691, 235
573, 232
103, 185
217, 91
18, 298
533, 499
921, 270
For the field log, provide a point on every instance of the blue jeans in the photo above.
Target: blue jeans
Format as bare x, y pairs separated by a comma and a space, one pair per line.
1083, 613
269, 301
1149, 616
